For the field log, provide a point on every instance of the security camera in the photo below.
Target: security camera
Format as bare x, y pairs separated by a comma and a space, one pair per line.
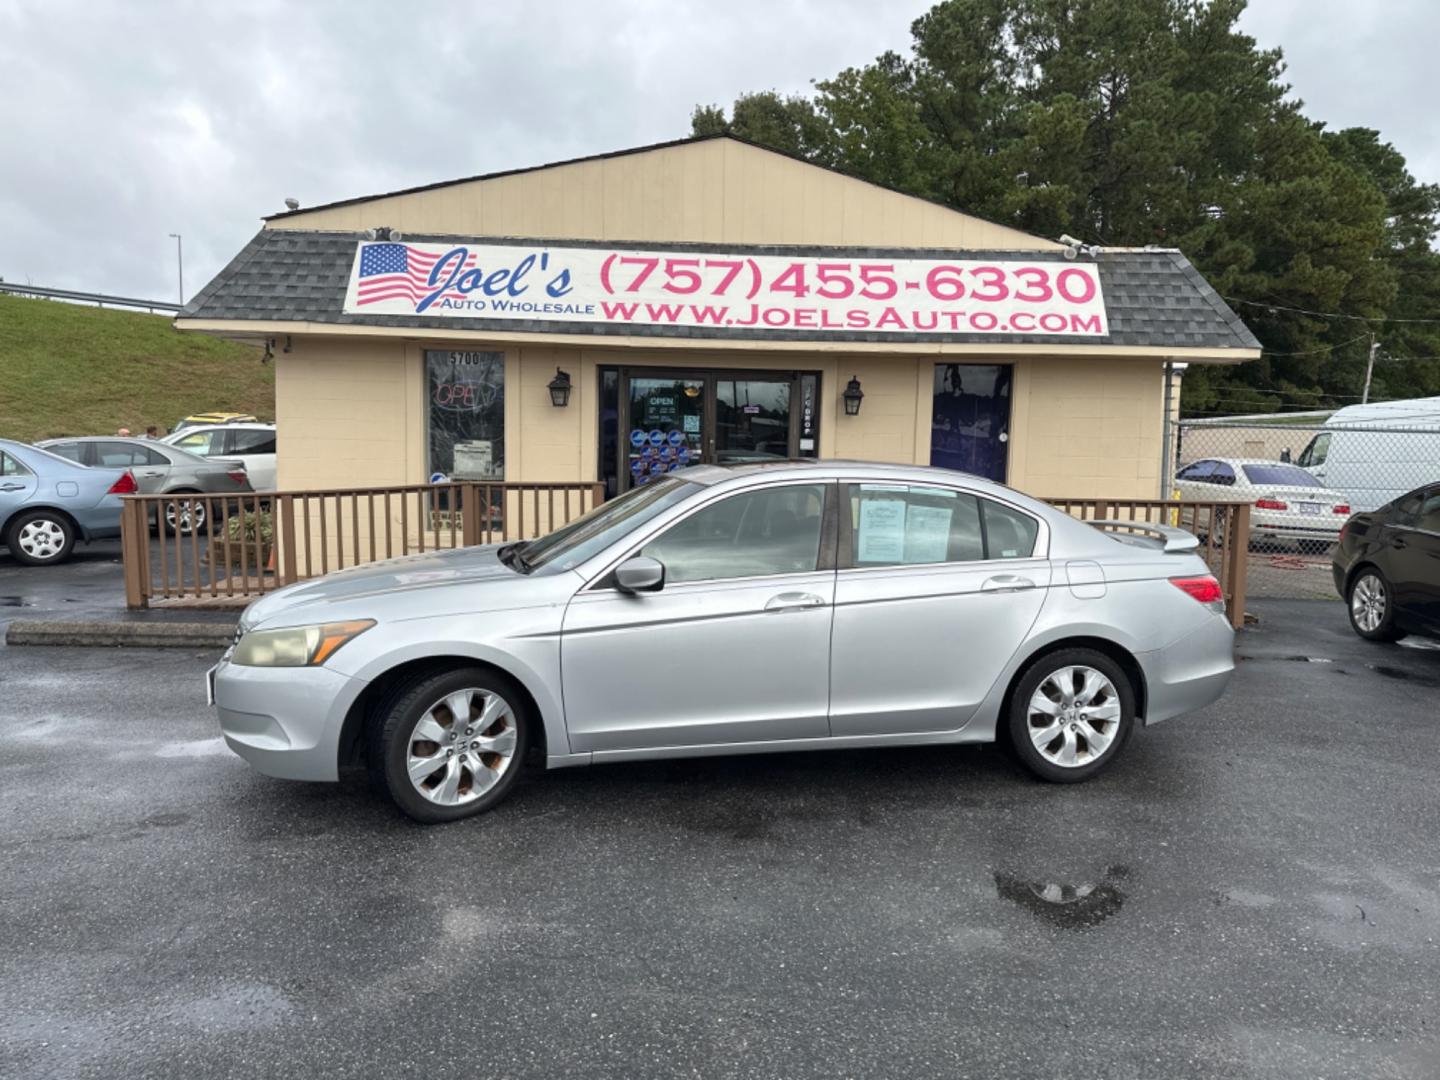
1071, 253
1070, 241
395, 234
292, 203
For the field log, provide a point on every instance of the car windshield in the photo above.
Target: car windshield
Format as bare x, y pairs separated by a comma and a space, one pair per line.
1286, 475
591, 533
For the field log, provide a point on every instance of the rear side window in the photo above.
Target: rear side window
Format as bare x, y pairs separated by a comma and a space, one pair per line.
1223, 474
913, 524
203, 443
1429, 517
251, 442
1279, 474
113, 455
1201, 472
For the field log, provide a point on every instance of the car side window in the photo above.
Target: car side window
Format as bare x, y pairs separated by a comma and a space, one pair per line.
753, 534
911, 524
1197, 471
9, 466
1009, 534
1315, 452
1429, 515
199, 442
1224, 475
113, 455
244, 441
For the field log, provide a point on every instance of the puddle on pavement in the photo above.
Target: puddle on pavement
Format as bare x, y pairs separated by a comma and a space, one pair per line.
1068, 906
1288, 659
1419, 678
15, 601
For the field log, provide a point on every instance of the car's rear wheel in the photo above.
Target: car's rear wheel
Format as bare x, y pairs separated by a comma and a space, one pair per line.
40, 537
185, 516
1372, 609
1070, 714
450, 745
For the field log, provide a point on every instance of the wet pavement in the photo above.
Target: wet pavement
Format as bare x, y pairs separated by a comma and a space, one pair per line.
1251, 892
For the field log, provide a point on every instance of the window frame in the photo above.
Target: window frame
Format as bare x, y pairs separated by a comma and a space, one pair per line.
428, 405
21, 469
231, 434
845, 555
825, 562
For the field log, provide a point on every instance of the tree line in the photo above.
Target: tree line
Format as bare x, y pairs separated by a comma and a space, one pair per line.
1134, 122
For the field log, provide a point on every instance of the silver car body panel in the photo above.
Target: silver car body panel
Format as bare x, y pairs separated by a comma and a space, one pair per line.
53, 483
895, 655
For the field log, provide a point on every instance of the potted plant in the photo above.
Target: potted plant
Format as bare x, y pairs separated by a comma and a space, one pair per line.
250, 532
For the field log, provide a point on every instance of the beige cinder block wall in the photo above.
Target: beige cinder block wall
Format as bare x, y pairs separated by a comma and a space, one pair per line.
1088, 428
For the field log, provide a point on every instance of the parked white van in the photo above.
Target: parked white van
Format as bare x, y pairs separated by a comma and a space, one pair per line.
1376, 453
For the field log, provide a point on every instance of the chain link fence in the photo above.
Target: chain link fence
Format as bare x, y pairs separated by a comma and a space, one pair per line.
1302, 482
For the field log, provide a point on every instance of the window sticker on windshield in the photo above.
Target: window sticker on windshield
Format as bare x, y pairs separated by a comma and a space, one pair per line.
882, 531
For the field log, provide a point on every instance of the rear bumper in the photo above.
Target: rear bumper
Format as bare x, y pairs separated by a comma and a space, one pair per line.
1190, 673
101, 521
286, 722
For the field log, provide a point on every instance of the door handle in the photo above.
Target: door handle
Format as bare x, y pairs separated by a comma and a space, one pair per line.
794, 601
1398, 542
1006, 583
12, 487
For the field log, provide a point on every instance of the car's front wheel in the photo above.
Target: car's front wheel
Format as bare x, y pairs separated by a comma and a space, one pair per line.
450, 745
1070, 714
40, 537
1372, 609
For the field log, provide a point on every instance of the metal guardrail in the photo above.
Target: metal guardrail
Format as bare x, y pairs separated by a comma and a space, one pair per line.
99, 299
226, 549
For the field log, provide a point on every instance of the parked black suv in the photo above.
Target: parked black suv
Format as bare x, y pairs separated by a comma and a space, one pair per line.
1387, 567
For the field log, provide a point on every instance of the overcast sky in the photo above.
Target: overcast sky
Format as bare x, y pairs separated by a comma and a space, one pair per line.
126, 120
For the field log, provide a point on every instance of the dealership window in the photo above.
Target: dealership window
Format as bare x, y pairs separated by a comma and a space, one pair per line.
466, 391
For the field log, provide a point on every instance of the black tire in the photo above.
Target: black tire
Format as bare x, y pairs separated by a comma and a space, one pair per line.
1019, 723
1384, 629
392, 734
57, 530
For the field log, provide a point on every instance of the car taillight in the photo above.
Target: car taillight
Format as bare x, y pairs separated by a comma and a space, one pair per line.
1343, 508
240, 476
125, 485
1271, 504
1205, 590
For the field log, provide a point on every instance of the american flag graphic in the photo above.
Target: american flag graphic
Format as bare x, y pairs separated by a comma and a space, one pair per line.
399, 271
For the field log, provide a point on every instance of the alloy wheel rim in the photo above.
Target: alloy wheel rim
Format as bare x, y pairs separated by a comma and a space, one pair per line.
43, 539
185, 515
1367, 603
461, 746
1073, 716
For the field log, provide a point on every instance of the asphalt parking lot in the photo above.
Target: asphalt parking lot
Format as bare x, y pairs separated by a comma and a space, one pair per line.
1250, 892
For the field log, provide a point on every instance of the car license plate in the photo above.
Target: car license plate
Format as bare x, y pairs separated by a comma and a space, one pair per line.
1309, 508
210, 685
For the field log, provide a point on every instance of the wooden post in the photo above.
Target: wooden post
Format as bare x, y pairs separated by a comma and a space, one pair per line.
134, 551
284, 508
1237, 559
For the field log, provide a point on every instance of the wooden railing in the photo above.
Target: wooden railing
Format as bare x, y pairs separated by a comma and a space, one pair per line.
1223, 529
224, 549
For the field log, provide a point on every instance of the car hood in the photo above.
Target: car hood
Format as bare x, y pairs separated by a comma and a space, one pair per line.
448, 570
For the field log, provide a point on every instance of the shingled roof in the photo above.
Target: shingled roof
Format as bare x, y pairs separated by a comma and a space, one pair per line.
1153, 297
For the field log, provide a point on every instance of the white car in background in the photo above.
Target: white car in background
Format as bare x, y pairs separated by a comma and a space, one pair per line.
1286, 502
251, 444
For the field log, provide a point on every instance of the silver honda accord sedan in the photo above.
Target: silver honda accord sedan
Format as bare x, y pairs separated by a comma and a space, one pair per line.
732, 610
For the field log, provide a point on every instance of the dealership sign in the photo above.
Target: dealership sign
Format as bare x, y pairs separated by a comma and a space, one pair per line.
823, 293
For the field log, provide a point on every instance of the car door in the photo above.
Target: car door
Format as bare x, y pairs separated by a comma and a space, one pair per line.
937, 587
734, 648
17, 487
1414, 560
256, 448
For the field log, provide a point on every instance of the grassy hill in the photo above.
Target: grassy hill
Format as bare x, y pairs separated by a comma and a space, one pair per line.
72, 370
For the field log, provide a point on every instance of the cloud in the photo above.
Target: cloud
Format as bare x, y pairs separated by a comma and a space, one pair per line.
139, 119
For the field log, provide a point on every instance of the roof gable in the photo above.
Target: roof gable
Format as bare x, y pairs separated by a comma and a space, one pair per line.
712, 189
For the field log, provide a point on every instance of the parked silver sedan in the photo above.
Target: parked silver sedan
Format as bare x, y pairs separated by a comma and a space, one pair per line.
732, 610
160, 469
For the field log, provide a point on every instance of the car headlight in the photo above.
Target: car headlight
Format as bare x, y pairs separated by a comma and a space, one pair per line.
296, 646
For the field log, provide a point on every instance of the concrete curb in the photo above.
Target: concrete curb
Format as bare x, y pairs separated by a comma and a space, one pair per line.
108, 634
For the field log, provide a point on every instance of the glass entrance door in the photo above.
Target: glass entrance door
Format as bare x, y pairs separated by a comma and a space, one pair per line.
664, 421
752, 420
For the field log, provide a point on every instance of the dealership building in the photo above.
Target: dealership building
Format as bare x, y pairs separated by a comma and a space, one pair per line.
619, 317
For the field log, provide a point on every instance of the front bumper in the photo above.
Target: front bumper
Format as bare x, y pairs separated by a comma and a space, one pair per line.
1189, 673
286, 722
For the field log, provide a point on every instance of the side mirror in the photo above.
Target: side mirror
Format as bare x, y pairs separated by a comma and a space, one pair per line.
640, 574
